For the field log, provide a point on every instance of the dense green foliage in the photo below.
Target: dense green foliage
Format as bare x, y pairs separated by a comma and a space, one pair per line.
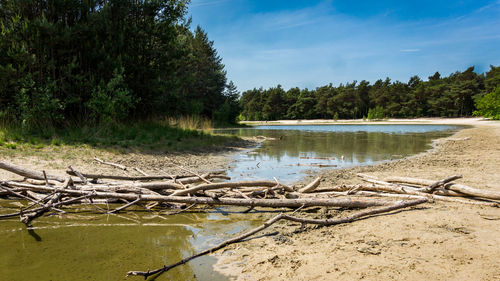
451, 96
489, 105
100, 61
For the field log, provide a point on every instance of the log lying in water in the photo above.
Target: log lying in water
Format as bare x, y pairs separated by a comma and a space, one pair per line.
275, 203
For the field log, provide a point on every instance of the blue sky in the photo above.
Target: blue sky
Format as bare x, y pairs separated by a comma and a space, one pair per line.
314, 43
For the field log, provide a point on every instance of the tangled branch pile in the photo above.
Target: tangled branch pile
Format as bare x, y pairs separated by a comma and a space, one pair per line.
52, 193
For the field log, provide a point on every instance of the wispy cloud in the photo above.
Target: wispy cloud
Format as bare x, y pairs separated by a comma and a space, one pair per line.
316, 45
409, 50
200, 3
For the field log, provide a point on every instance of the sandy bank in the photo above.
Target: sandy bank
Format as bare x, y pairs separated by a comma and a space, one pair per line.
439, 241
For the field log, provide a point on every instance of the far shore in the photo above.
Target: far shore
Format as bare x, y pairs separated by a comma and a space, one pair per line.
434, 121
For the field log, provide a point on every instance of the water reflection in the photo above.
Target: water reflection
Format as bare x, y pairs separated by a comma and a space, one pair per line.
98, 247
296, 149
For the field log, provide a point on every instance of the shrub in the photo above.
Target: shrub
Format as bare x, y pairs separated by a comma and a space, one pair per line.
376, 113
489, 105
111, 102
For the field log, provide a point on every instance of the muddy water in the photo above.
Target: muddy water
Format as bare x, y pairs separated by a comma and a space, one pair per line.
297, 149
82, 246
85, 246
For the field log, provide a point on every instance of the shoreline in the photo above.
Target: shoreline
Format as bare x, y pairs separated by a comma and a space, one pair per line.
445, 241
389, 121
377, 248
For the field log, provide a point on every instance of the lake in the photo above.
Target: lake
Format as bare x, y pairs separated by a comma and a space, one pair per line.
87, 246
296, 149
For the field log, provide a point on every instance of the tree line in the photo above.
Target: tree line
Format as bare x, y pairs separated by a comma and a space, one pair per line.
92, 62
101, 61
458, 95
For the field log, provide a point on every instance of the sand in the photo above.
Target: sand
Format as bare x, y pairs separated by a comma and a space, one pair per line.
435, 241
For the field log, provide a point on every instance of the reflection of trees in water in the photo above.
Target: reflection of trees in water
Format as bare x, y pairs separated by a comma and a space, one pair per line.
97, 249
355, 146
82, 247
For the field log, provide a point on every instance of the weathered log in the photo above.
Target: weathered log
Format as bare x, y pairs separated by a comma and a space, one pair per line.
28, 173
281, 216
78, 174
407, 197
311, 186
141, 171
285, 187
126, 205
36, 201
398, 188
110, 164
199, 176
277, 203
210, 186
466, 190
186, 178
61, 203
432, 187
41, 182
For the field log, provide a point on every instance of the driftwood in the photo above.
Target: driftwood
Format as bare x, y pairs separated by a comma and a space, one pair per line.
110, 164
141, 172
310, 187
211, 186
28, 173
156, 192
460, 188
183, 178
433, 186
275, 203
282, 216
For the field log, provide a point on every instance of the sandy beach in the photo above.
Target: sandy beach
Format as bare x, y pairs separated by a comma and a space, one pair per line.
437, 241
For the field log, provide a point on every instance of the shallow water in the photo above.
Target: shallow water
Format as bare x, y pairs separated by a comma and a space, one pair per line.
300, 148
82, 246
85, 246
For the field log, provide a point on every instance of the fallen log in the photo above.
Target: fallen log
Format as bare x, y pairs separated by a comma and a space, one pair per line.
397, 188
28, 173
210, 186
277, 203
432, 197
311, 186
184, 178
432, 187
463, 189
110, 164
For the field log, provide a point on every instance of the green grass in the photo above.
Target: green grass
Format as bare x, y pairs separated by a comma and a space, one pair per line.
150, 136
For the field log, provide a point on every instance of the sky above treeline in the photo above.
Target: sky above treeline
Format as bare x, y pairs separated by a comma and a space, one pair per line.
312, 43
